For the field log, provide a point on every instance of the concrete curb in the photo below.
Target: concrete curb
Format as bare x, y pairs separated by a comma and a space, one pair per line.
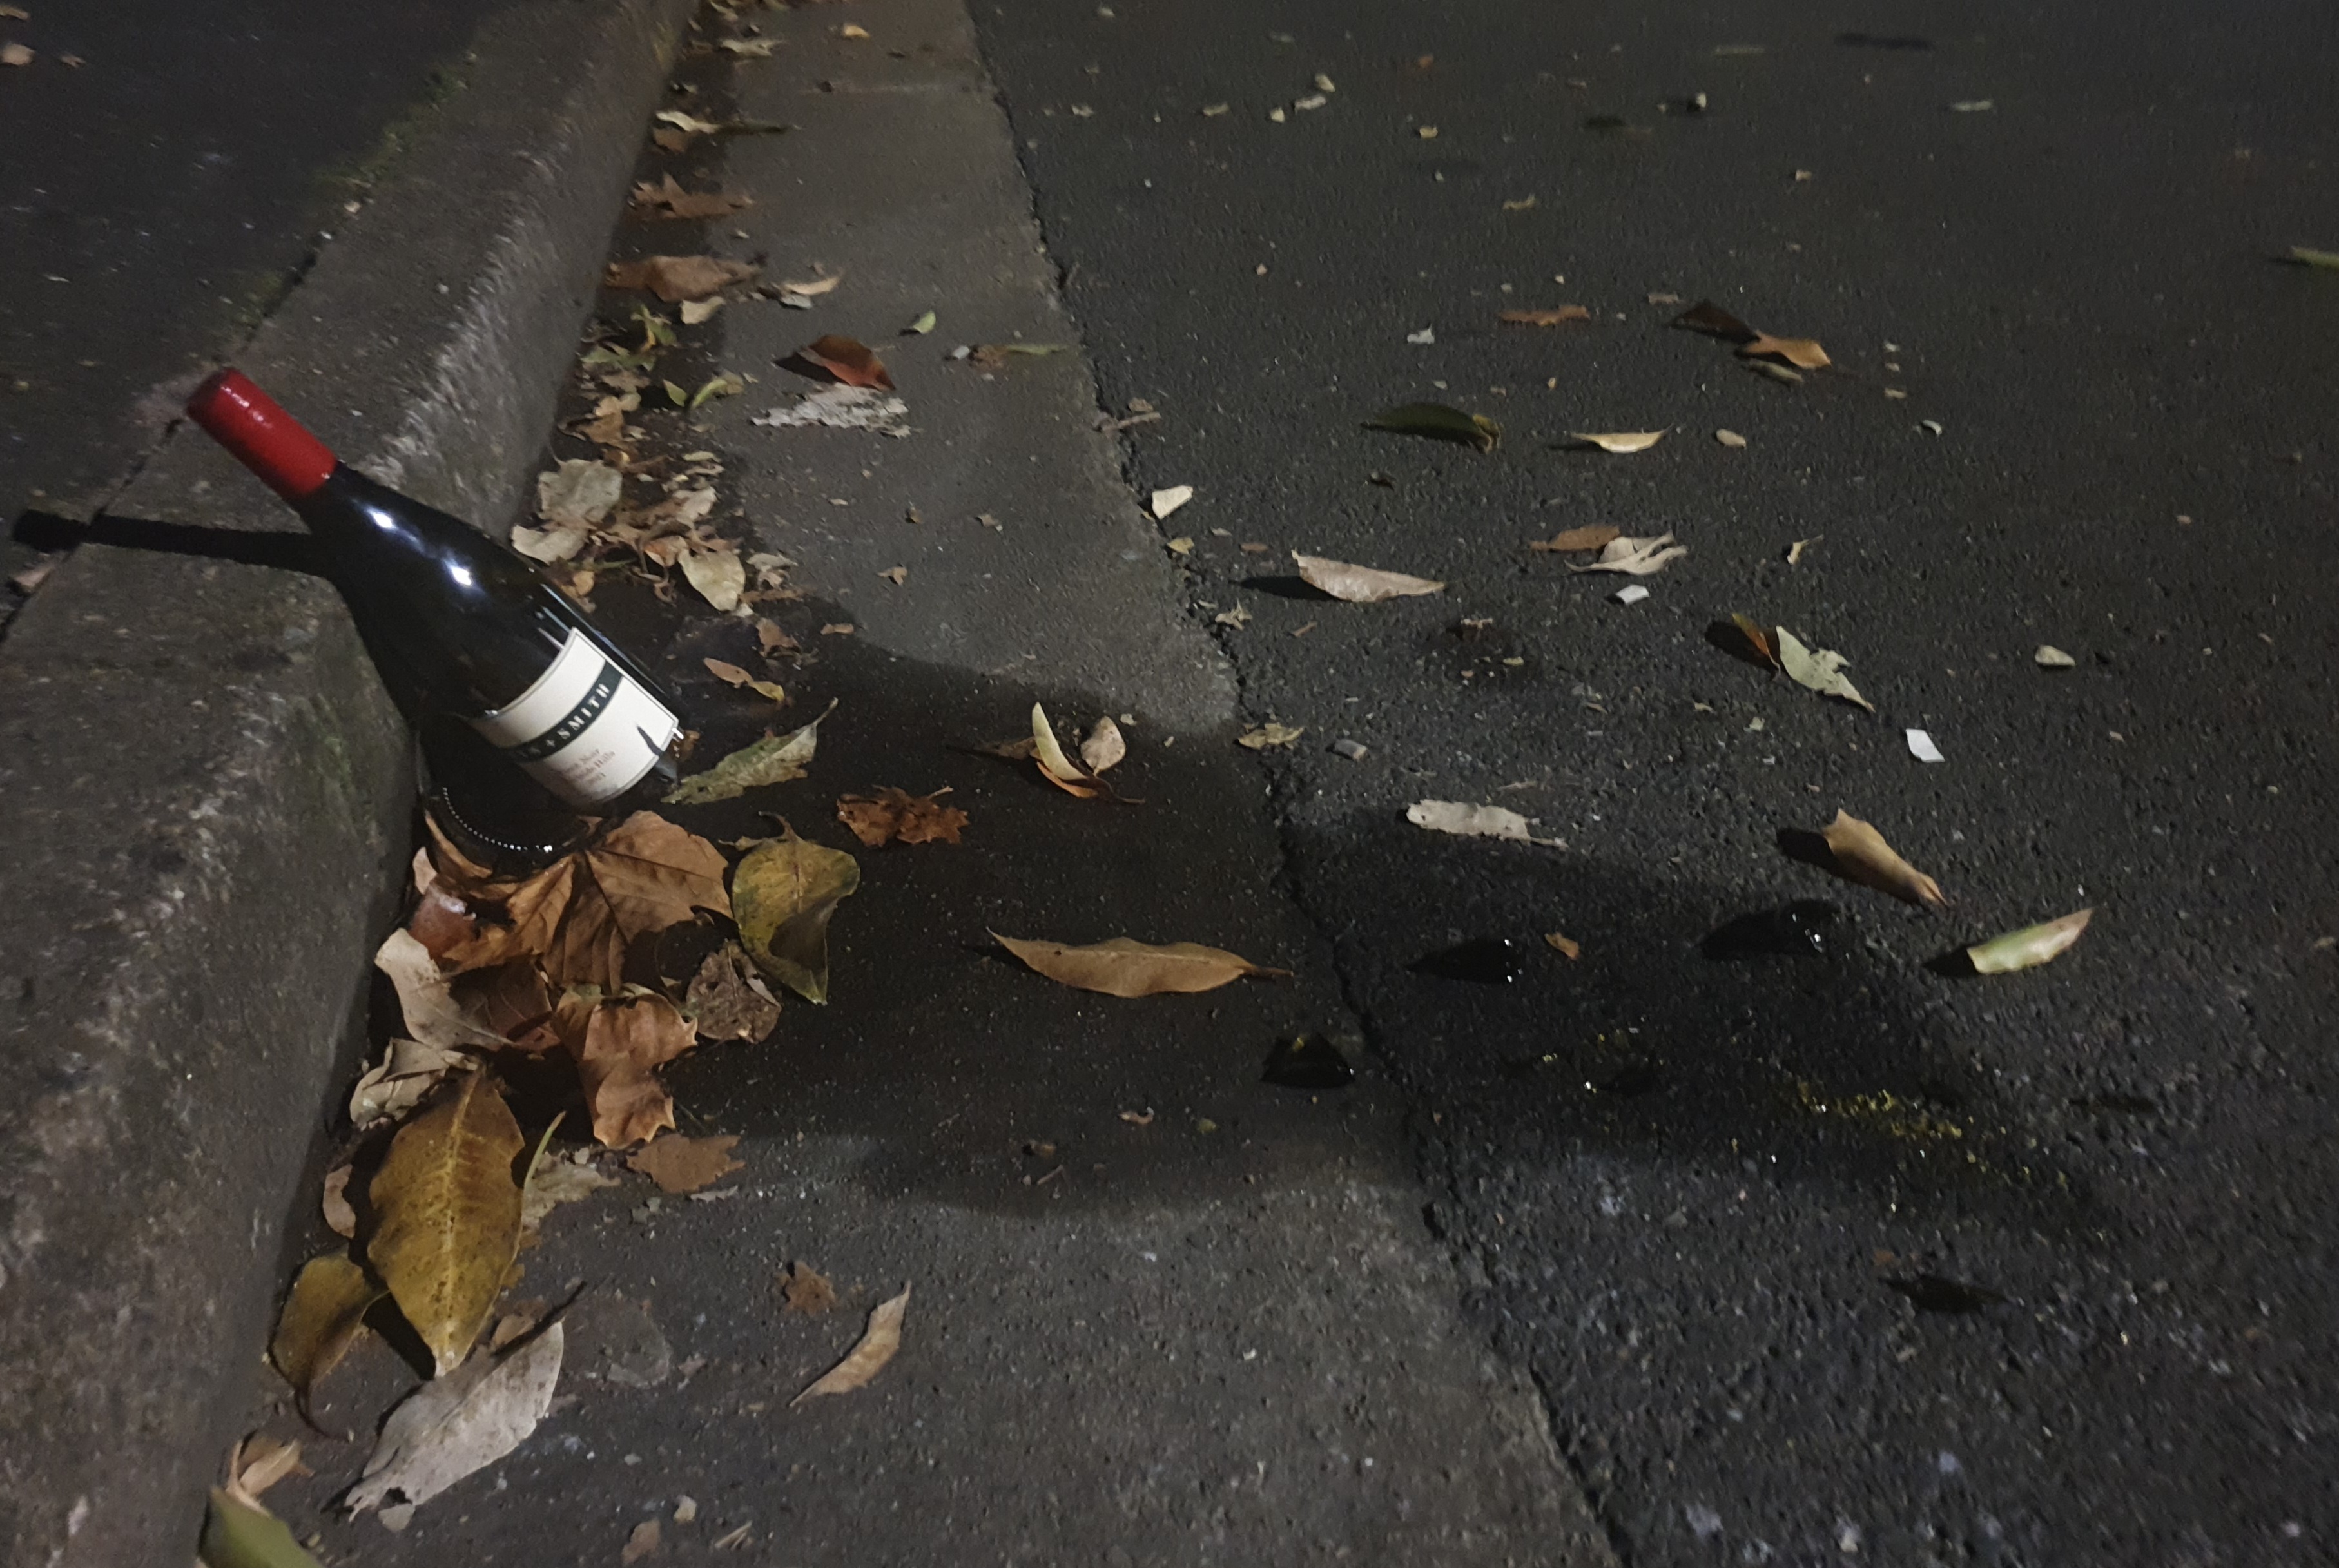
208, 794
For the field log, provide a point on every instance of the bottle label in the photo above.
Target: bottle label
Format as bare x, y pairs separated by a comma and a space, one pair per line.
585, 731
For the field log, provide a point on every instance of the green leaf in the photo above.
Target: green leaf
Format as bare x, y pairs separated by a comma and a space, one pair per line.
2029, 947
655, 329
238, 1536
1440, 423
921, 326
775, 759
617, 358
725, 386
676, 394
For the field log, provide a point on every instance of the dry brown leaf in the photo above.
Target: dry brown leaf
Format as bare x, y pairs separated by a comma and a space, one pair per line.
1358, 585
1741, 636
333, 1203
1803, 353
259, 1462
1563, 314
771, 639
426, 995
643, 1542
1619, 441
321, 1319
679, 1164
811, 288
785, 892
626, 1042
718, 573
1590, 537
1055, 766
450, 1428
1104, 747
1637, 557
1126, 967
509, 998
878, 1343
579, 915
1860, 855
806, 1290
441, 921
1467, 821
727, 999
1565, 946
1270, 735
447, 1216
850, 362
675, 278
894, 813
668, 200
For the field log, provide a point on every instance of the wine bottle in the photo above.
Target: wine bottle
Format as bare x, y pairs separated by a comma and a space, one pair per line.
462, 628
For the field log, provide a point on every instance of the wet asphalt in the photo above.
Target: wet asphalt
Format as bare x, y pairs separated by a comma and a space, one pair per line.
1823, 1256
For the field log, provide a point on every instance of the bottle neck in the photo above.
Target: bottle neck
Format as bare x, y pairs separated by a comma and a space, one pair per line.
264, 437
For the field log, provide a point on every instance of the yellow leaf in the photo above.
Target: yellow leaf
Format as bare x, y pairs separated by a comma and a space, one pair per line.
783, 893
1126, 967
1270, 735
1056, 767
1620, 440
1803, 353
1861, 855
2029, 947
240, 1534
321, 1319
878, 1343
448, 1216
1820, 669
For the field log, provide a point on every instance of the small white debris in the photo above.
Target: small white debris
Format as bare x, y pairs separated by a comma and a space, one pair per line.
1631, 595
1427, 335
2050, 657
1355, 751
844, 408
1313, 101
1921, 747
1167, 501
1933, 424
1972, 106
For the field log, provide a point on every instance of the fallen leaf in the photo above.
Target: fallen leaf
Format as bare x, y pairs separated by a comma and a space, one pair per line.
426, 996
1056, 767
812, 288
805, 1290
237, 1532
668, 200
1858, 853
731, 675
728, 999
774, 760
783, 893
878, 1343
259, 1462
718, 573
16, 55
447, 1216
1732, 439
1619, 440
1710, 319
577, 494
322, 1317
333, 1203
842, 408
1821, 669
679, 1164
1637, 557
408, 1070
894, 813
853, 30
2029, 947
1126, 967
554, 1182
1740, 636
896, 576
695, 313
579, 915
2307, 256
1475, 822
1167, 501
1781, 373
771, 639
450, 1428
1795, 550
1105, 746
642, 1543
997, 356
550, 546
626, 1042
1360, 585
1554, 318
1270, 735
1567, 947
919, 328
2049, 657
1591, 537
676, 278
1440, 423
1803, 353
1237, 617
852, 362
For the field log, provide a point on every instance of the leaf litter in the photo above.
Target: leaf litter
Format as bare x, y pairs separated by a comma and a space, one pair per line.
895, 813
448, 1217
1467, 821
455, 1426
1855, 851
682, 1165
783, 894
1820, 669
774, 760
2029, 947
878, 1343
1126, 967
1622, 443
1358, 585
1440, 423
1637, 558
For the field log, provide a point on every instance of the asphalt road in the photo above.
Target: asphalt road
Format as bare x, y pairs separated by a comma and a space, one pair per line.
166, 174
1700, 1199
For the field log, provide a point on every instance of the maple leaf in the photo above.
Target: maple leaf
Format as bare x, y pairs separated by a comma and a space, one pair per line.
579, 915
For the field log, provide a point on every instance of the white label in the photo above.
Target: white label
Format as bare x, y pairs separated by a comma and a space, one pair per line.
585, 730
